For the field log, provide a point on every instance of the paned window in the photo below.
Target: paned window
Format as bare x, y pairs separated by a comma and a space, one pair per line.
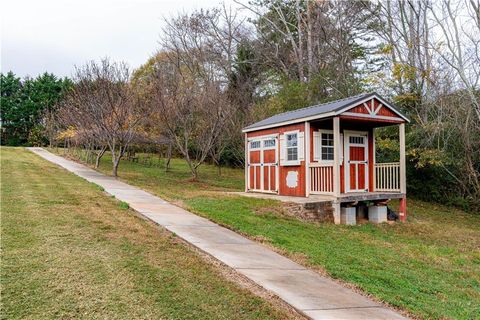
356, 140
269, 143
327, 146
255, 145
292, 146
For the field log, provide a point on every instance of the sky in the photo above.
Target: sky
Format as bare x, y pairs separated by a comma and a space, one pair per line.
56, 35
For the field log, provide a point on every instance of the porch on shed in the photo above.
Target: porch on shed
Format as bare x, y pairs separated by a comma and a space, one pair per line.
341, 164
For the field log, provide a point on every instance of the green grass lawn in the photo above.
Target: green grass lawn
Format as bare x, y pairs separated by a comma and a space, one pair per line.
70, 251
429, 266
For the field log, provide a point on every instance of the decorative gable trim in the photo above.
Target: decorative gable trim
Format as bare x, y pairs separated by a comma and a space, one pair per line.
374, 111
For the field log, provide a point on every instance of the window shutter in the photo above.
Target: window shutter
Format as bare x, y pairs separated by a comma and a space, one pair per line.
317, 146
282, 148
301, 146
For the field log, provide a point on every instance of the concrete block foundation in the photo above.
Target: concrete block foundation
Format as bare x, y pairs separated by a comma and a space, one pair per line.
348, 215
377, 214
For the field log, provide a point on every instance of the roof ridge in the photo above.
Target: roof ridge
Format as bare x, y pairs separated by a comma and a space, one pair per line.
325, 103
331, 108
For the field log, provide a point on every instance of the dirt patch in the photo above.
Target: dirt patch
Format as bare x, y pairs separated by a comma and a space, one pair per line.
279, 211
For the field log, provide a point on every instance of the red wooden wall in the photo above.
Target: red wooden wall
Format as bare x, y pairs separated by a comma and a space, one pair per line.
298, 191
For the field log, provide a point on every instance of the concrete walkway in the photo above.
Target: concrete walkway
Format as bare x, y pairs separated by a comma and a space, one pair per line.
315, 296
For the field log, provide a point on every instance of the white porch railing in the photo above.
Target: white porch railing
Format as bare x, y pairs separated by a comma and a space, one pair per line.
321, 178
387, 176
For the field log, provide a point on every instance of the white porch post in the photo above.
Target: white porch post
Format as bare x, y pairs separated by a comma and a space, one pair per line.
374, 148
336, 156
247, 169
336, 169
403, 175
307, 158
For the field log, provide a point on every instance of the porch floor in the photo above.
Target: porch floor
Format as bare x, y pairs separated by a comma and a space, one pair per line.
315, 198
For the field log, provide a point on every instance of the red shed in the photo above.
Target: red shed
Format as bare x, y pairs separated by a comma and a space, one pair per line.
327, 149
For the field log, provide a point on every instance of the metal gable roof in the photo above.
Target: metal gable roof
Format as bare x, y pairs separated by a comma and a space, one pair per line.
320, 110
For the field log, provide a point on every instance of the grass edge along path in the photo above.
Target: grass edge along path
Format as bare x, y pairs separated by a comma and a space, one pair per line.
69, 251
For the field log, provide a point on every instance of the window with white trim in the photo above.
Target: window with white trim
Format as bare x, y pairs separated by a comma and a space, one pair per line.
323, 149
326, 146
356, 140
269, 143
291, 140
255, 144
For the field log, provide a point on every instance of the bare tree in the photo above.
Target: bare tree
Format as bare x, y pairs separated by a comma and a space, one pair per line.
190, 85
103, 106
457, 43
194, 114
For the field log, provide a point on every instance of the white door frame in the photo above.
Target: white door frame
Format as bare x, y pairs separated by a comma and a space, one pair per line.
346, 166
262, 148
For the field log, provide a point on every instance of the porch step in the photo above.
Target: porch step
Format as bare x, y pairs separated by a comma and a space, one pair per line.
311, 211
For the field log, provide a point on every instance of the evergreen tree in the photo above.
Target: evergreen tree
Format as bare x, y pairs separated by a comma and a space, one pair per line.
23, 104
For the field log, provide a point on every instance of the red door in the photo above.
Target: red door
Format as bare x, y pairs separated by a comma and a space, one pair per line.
263, 164
254, 168
269, 168
356, 170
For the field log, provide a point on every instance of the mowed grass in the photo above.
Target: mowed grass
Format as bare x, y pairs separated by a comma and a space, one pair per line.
70, 251
429, 266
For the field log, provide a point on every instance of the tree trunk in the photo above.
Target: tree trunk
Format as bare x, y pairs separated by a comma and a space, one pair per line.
309, 42
115, 168
193, 168
194, 174
115, 163
117, 155
301, 74
99, 156
169, 157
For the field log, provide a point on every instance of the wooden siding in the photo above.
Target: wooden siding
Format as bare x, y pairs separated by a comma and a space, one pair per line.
384, 111
359, 109
374, 109
298, 191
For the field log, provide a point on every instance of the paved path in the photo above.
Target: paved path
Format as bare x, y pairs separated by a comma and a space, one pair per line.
315, 296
